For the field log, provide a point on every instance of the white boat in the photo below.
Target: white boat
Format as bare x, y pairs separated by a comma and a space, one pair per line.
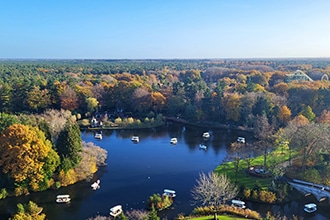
206, 135
96, 185
135, 139
238, 203
202, 146
310, 207
98, 136
241, 140
169, 193
116, 210
63, 199
174, 140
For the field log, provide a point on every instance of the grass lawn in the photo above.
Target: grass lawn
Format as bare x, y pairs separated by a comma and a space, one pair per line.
278, 156
220, 217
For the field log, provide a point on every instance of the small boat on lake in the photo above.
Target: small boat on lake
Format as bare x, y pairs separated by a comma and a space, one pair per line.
135, 139
174, 141
202, 146
238, 203
63, 199
310, 208
98, 136
169, 193
96, 185
206, 135
241, 140
116, 210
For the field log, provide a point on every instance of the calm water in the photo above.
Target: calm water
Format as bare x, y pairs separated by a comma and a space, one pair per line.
136, 171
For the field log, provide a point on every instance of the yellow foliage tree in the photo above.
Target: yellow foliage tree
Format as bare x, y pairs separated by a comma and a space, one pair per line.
284, 114
67, 178
23, 153
232, 105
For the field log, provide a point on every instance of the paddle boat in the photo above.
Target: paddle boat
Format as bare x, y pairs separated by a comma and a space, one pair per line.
116, 210
241, 140
174, 141
135, 139
310, 207
238, 203
98, 136
63, 199
206, 135
169, 193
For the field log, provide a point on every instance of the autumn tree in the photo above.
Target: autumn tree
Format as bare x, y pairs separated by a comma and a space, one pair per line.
26, 155
213, 189
232, 106
38, 99
29, 211
158, 101
141, 100
69, 145
69, 99
92, 104
324, 117
284, 114
308, 137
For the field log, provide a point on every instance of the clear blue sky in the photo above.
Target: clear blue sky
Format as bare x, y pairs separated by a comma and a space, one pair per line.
164, 29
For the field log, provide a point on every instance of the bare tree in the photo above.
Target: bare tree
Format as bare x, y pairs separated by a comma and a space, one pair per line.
137, 214
264, 132
213, 189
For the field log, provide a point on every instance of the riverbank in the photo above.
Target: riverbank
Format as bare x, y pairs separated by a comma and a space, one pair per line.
208, 124
85, 124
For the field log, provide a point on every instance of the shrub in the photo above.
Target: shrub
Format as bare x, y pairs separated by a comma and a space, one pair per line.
118, 120
247, 192
3, 193
267, 196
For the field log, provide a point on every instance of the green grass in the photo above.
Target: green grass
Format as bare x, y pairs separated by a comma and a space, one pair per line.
220, 217
279, 155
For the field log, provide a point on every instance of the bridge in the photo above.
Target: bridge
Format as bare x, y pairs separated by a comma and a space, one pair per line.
320, 192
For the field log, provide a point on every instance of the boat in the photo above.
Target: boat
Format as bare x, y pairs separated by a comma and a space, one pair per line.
310, 207
98, 136
116, 210
202, 146
169, 193
241, 140
206, 135
135, 139
174, 140
96, 185
238, 203
63, 199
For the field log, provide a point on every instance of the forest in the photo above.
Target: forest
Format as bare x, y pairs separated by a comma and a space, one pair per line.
41, 102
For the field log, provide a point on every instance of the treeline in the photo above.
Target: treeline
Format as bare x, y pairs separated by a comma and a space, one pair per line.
221, 91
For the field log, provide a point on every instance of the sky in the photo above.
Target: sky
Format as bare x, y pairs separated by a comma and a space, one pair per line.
164, 29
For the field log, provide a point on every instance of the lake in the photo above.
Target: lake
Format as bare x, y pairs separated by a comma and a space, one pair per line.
135, 171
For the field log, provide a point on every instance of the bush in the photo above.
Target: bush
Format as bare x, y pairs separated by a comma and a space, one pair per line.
3, 193
267, 196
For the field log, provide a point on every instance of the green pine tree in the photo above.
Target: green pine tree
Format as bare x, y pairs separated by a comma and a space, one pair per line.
68, 145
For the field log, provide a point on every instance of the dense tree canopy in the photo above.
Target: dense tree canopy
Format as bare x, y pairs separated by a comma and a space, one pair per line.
26, 155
